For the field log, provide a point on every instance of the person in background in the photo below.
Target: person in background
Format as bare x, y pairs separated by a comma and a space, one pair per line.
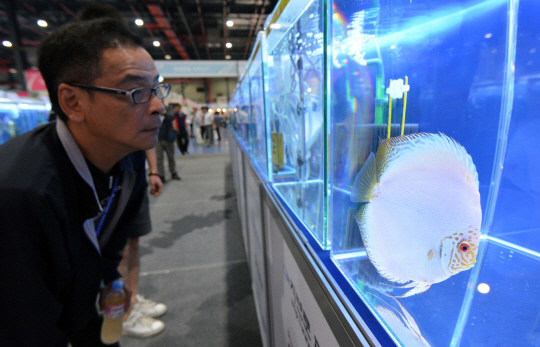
167, 135
208, 123
197, 127
191, 118
66, 219
189, 123
217, 123
182, 139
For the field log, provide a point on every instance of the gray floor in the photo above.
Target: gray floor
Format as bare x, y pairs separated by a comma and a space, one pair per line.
194, 260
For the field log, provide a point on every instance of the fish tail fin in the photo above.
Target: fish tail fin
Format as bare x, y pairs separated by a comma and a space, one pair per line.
365, 180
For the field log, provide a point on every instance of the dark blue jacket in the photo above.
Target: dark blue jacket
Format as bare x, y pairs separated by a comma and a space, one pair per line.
51, 264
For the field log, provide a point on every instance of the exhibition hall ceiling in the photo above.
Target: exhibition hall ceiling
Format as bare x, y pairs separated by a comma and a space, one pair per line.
171, 29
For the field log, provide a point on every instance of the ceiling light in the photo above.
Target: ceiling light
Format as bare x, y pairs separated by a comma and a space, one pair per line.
7, 43
139, 22
12, 71
227, 57
156, 43
168, 57
228, 45
230, 23
42, 23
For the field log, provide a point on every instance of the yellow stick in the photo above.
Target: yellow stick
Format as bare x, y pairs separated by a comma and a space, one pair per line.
404, 107
389, 112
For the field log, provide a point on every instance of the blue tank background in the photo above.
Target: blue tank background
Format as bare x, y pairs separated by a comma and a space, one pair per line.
474, 71
455, 54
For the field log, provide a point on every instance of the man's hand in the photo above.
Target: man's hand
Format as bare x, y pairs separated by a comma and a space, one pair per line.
155, 185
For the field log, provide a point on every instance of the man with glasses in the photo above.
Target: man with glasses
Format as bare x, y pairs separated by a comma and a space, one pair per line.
70, 190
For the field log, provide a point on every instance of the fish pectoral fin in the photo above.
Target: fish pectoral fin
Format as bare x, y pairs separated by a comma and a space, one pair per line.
365, 181
417, 288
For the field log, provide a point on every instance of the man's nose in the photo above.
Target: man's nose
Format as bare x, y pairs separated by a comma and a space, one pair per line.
156, 105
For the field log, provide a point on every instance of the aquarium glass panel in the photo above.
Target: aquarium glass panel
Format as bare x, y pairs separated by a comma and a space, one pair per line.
437, 67
233, 112
258, 126
505, 309
243, 114
517, 214
18, 118
295, 96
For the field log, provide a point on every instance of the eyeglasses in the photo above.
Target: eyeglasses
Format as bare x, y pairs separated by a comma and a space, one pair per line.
138, 95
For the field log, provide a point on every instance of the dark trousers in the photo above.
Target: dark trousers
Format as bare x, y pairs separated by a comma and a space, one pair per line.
218, 134
203, 131
167, 147
208, 134
183, 141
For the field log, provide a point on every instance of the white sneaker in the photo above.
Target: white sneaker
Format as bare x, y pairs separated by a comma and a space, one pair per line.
149, 307
139, 325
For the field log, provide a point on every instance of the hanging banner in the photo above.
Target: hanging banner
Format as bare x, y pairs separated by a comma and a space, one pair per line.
34, 80
200, 68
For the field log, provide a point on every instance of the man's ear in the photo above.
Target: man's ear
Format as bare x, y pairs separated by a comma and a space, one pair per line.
71, 100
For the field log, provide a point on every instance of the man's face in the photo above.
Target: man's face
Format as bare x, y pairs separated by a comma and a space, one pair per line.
114, 120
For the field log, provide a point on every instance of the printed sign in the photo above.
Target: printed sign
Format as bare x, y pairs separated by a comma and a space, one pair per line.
296, 316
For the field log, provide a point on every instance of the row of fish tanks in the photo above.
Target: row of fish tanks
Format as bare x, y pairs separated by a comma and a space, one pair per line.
19, 115
405, 136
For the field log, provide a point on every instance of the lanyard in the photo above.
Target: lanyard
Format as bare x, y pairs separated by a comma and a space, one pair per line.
104, 215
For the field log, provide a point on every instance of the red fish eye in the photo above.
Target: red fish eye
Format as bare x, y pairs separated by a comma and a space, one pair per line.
464, 247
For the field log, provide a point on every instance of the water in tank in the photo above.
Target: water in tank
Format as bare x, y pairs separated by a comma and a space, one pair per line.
258, 125
19, 117
456, 85
295, 107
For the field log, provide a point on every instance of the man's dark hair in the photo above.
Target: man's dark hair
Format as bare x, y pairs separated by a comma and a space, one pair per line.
72, 53
100, 11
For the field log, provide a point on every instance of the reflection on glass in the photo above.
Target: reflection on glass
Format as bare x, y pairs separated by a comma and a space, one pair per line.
295, 70
456, 74
19, 118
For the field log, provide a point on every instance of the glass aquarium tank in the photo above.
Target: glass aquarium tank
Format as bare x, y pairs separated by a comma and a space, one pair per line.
257, 108
418, 86
242, 116
296, 110
20, 116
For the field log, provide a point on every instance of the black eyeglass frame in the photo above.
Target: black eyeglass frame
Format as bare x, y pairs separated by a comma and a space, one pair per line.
126, 92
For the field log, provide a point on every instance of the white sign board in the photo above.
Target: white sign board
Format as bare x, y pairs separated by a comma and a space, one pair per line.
256, 254
297, 319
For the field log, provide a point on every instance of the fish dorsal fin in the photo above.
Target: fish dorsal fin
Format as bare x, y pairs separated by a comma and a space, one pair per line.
396, 147
365, 181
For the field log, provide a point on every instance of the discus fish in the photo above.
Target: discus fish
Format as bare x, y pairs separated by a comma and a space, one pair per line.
422, 216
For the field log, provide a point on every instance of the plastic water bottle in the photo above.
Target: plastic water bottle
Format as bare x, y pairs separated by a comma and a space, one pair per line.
115, 301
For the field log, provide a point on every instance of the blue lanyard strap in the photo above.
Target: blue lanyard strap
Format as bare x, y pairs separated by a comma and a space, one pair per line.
104, 215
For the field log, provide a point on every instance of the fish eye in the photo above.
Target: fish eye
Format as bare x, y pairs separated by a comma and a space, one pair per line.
464, 247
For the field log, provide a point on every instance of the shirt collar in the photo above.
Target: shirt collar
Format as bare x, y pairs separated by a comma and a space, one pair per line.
75, 155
